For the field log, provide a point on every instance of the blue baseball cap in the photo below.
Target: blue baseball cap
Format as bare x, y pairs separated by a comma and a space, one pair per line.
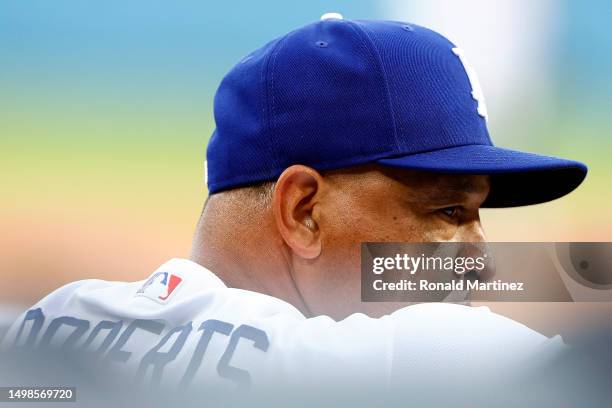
338, 93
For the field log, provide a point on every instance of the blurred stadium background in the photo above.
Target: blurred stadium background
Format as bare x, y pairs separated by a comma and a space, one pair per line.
106, 109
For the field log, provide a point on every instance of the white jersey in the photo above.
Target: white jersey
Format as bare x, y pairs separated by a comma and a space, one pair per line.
184, 326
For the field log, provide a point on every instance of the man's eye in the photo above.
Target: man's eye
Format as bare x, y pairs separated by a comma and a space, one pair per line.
450, 211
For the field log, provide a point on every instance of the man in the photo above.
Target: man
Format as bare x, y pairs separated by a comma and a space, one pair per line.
338, 133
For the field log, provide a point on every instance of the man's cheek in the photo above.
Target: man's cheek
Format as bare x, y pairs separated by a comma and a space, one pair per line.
439, 233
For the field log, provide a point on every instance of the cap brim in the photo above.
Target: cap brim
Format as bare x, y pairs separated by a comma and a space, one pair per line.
517, 178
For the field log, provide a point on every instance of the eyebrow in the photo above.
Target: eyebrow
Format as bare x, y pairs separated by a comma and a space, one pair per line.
436, 196
445, 191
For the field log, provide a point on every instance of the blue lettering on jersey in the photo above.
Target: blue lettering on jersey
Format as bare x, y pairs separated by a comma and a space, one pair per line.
208, 329
116, 353
153, 359
80, 327
113, 330
158, 360
38, 318
260, 341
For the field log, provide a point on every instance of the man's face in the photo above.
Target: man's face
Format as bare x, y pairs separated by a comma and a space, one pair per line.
378, 204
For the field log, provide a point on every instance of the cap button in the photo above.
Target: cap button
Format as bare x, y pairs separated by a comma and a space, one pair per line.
331, 16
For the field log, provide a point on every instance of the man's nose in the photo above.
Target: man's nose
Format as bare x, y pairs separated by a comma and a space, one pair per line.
472, 232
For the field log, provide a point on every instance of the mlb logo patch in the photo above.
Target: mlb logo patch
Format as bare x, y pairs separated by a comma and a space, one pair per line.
160, 286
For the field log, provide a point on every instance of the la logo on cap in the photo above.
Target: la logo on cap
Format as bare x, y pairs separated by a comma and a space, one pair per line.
477, 93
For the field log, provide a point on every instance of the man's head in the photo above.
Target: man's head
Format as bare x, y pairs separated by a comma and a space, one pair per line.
348, 131
304, 231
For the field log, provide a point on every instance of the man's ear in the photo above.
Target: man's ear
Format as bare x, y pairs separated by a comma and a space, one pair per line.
296, 195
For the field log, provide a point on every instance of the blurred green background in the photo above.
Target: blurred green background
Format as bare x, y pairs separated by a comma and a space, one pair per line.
106, 109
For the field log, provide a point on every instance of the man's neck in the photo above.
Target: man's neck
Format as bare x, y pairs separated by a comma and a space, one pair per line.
252, 264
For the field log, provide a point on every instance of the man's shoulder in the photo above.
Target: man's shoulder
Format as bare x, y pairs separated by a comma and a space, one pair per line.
177, 292
190, 312
469, 327
454, 338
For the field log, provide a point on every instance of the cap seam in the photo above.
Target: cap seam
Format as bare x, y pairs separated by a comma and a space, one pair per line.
270, 100
401, 154
373, 50
268, 74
